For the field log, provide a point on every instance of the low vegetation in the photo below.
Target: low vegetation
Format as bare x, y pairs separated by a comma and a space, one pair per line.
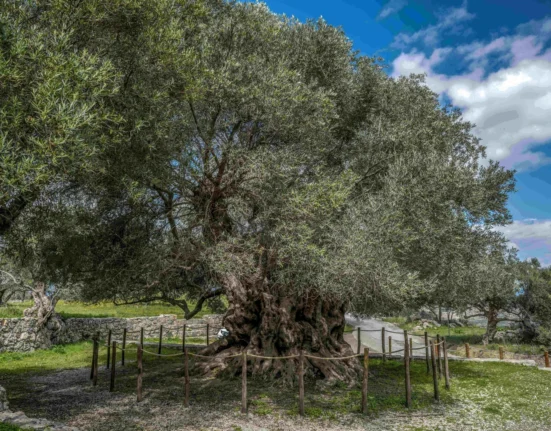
488, 395
6, 427
473, 335
102, 309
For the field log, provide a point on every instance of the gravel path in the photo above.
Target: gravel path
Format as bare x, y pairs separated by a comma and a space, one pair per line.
372, 339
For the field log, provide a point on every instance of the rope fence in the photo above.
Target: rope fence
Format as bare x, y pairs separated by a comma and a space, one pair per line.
112, 347
436, 357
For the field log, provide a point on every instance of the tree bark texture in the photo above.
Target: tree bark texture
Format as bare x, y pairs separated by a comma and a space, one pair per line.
271, 324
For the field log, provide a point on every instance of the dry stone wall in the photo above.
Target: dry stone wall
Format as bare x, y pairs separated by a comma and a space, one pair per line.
22, 335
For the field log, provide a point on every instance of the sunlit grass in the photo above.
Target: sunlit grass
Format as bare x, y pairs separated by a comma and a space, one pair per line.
496, 393
103, 309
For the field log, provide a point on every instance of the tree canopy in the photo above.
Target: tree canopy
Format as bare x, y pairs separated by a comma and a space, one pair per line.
182, 150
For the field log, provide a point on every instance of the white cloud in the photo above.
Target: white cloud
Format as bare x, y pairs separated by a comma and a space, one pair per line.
511, 107
531, 236
449, 20
524, 48
527, 229
392, 7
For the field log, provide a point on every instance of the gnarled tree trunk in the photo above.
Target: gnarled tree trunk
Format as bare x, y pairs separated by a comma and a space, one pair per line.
47, 322
270, 323
491, 327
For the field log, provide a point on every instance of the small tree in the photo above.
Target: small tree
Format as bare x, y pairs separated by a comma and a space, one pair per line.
534, 301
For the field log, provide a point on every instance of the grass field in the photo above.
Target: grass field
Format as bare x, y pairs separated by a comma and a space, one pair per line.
458, 336
494, 396
104, 309
6, 427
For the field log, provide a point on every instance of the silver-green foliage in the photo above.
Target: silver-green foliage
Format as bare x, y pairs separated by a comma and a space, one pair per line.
246, 144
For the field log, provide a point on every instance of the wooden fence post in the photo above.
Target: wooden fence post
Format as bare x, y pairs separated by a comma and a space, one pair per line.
434, 376
186, 377
244, 384
108, 349
208, 332
546, 356
140, 372
427, 351
113, 366
123, 346
406, 366
467, 350
96, 360
184, 339
383, 342
438, 356
390, 345
301, 383
160, 339
446, 365
365, 377
93, 357
500, 353
359, 340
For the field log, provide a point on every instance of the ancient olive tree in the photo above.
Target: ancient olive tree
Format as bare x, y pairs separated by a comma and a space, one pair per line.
262, 159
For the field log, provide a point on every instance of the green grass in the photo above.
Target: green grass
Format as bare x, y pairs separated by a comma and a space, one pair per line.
58, 357
6, 427
495, 392
454, 335
104, 309
178, 341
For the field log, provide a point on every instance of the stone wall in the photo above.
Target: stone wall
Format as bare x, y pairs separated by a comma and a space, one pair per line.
21, 335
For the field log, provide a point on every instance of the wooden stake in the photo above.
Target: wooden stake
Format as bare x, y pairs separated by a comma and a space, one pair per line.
501, 353
208, 332
301, 384
427, 351
406, 366
446, 366
96, 360
141, 337
434, 376
93, 357
365, 377
160, 339
140, 373
359, 340
390, 345
113, 366
184, 339
244, 384
108, 349
383, 342
186, 377
467, 350
123, 346
546, 356
439, 357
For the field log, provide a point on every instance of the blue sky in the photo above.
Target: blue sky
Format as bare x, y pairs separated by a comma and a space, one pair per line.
491, 58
